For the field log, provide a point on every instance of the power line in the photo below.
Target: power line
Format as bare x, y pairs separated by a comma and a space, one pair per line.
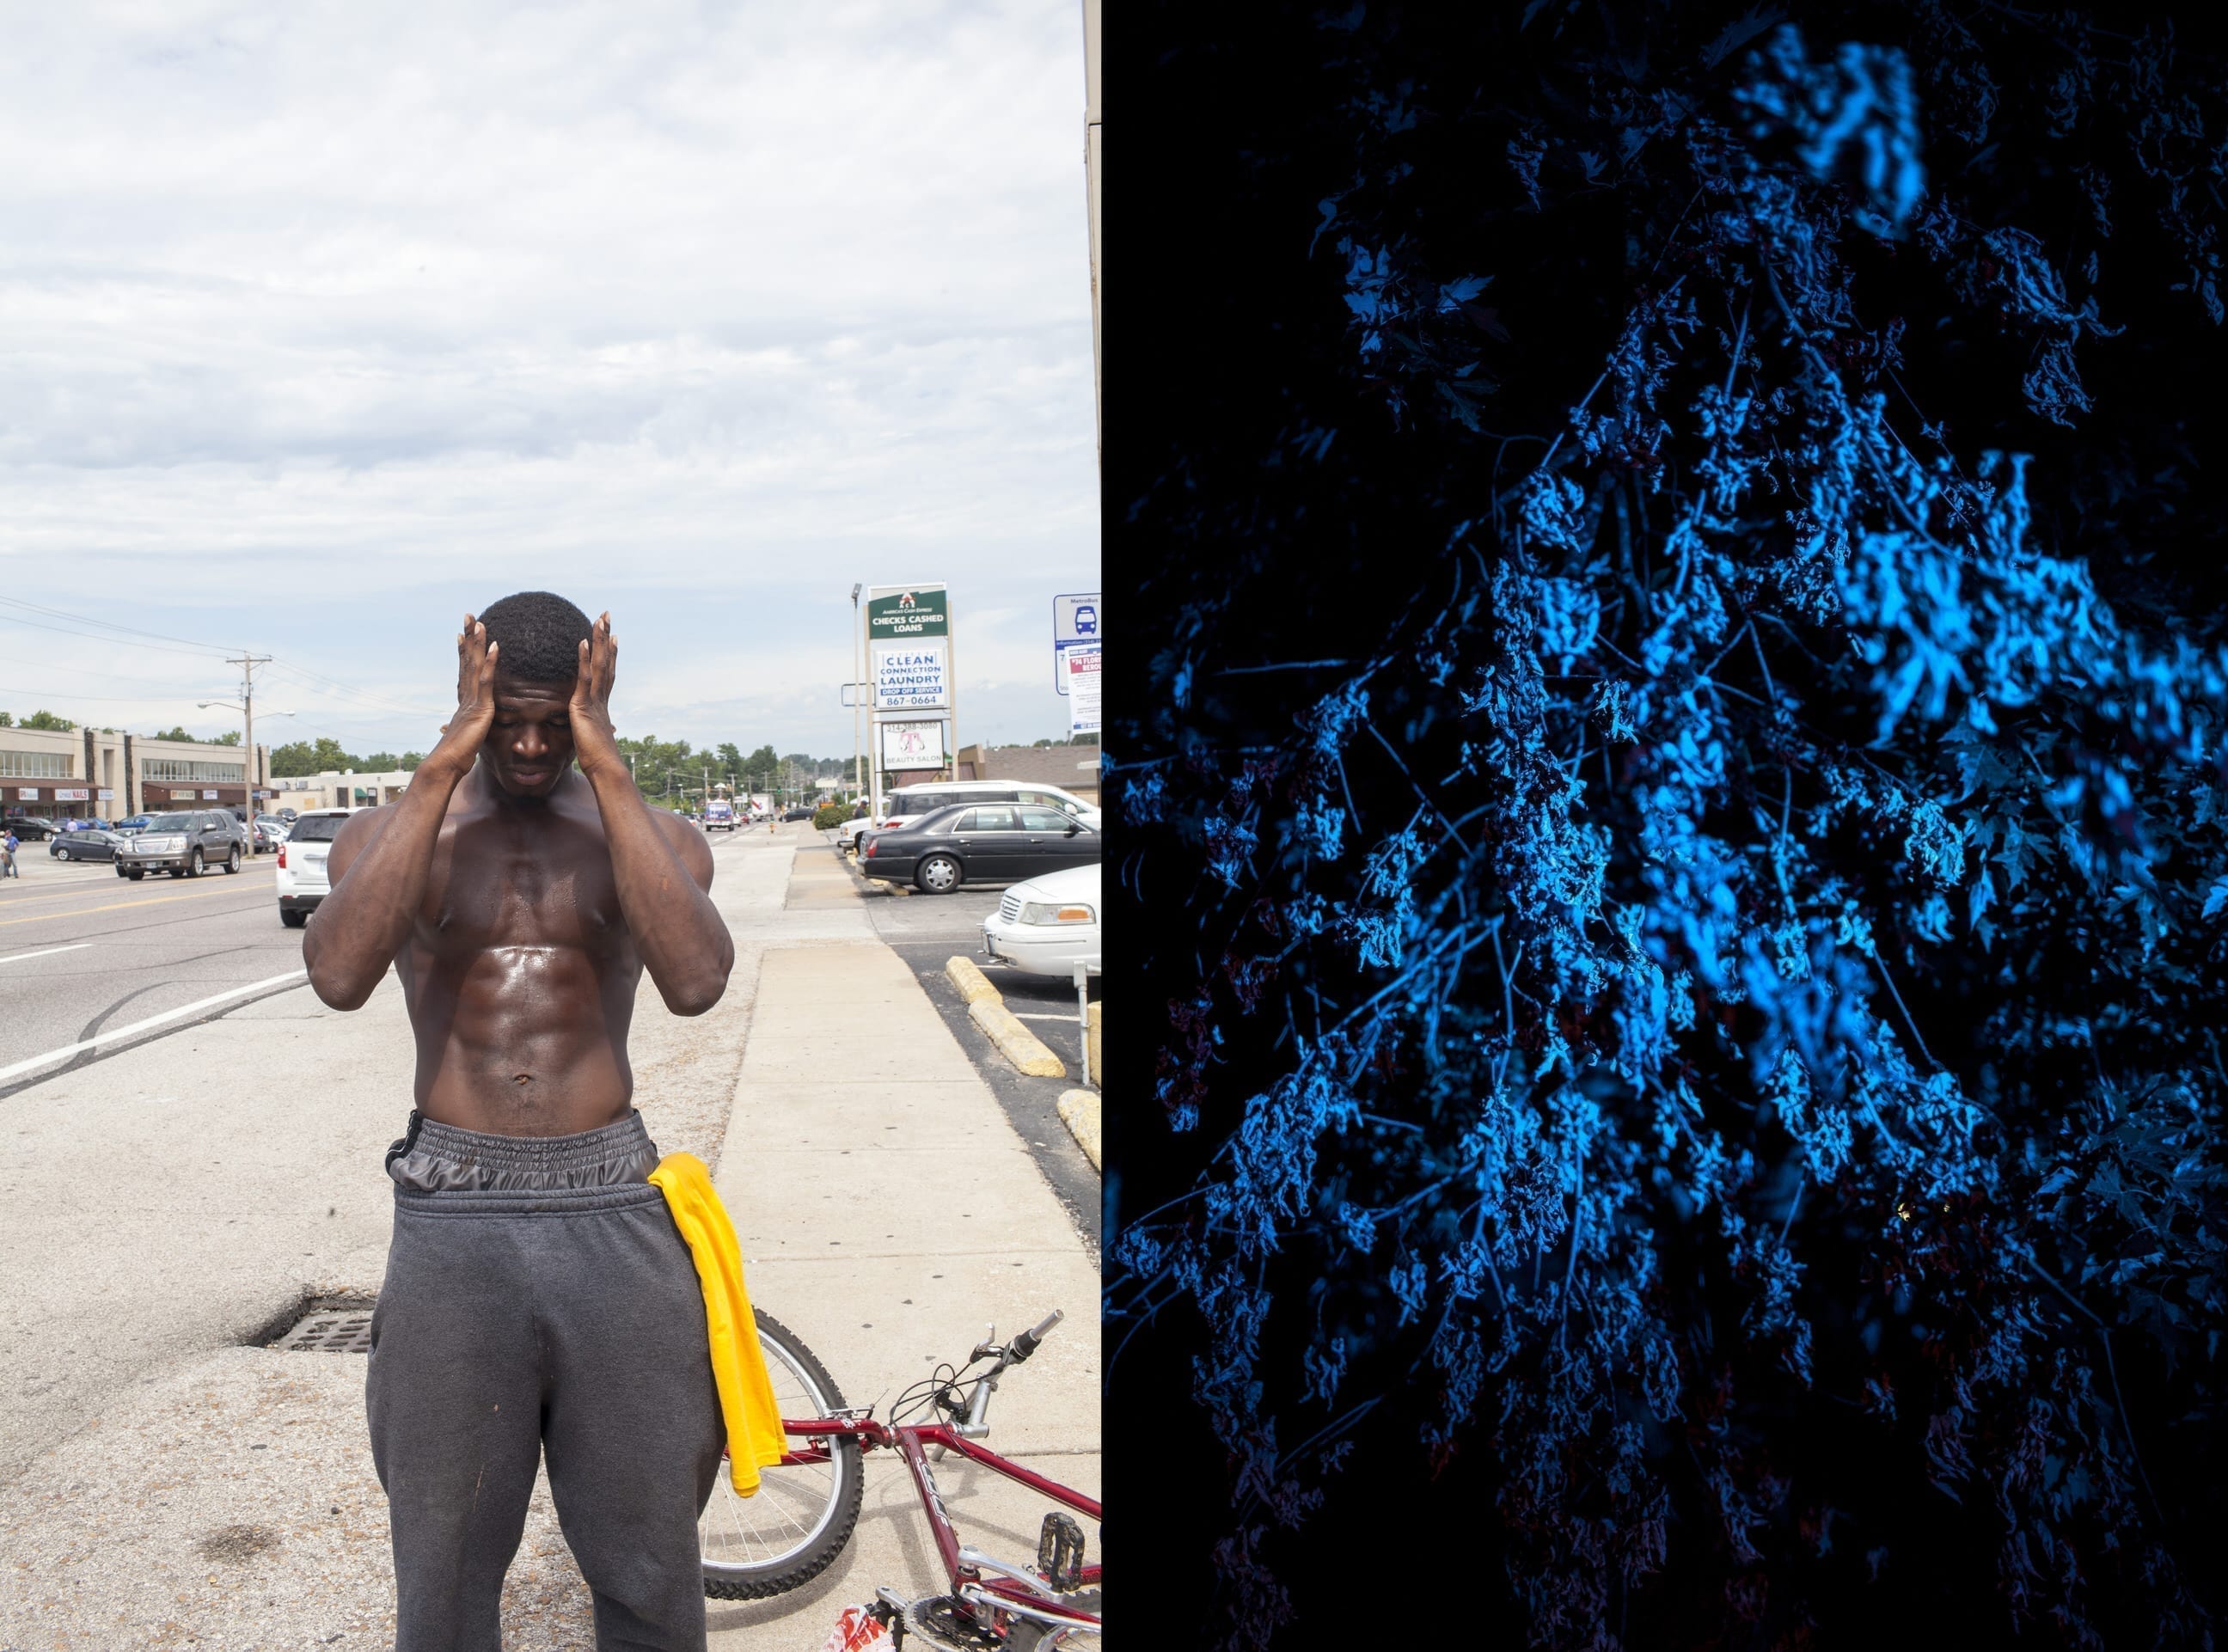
287, 668
106, 625
97, 637
63, 697
144, 639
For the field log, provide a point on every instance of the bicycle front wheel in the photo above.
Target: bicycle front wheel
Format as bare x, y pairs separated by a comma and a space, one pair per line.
801, 1516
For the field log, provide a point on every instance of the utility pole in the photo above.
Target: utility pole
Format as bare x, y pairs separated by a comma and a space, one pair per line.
247, 662
858, 771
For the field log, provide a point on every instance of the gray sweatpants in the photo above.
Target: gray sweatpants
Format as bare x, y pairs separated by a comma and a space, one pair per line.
539, 1301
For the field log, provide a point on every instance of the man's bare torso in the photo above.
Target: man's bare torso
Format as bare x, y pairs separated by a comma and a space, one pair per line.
500, 889
519, 973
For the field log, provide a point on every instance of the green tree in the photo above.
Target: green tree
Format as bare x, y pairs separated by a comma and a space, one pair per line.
301, 757
7, 719
229, 739
731, 758
175, 732
662, 769
380, 762
47, 720
410, 760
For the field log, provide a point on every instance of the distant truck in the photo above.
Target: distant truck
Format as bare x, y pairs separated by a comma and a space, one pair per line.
718, 815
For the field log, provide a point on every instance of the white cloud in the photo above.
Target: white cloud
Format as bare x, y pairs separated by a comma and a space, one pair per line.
323, 323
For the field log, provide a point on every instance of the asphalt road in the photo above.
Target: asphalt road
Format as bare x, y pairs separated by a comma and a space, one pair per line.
83, 951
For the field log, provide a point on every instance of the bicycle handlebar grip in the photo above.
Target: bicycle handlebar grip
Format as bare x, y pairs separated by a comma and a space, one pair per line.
1026, 1343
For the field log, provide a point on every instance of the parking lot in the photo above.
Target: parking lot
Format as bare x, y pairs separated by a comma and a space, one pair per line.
927, 931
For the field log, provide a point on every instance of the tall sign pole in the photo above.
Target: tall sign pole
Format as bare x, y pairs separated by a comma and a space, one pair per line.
858, 775
1092, 169
909, 636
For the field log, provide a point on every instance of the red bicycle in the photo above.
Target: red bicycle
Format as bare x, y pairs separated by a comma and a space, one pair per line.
807, 1507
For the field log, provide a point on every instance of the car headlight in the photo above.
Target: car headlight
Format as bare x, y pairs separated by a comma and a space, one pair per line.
1072, 912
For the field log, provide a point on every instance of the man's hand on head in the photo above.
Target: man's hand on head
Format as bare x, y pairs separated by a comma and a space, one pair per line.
461, 736
595, 745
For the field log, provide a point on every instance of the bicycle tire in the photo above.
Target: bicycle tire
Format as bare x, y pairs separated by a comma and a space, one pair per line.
838, 1517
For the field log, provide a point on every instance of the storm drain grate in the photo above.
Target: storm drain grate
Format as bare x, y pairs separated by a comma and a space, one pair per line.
330, 1328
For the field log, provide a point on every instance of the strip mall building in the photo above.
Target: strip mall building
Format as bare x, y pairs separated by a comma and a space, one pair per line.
90, 774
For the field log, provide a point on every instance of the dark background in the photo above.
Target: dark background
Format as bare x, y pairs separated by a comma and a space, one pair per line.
1236, 538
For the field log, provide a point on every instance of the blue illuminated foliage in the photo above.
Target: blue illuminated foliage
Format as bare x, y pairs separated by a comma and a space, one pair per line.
1737, 956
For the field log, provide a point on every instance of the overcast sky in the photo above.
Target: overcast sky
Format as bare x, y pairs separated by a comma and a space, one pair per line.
323, 323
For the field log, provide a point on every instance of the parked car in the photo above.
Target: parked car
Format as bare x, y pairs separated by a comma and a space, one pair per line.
863, 820
91, 844
302, 880
185, 844
32, 829
270, 833
287, 814
795, 814
132, 823
96, 824
1047, 926
908, 803
979, 844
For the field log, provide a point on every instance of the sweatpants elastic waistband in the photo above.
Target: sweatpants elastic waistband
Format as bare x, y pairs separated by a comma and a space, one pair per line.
439, 1161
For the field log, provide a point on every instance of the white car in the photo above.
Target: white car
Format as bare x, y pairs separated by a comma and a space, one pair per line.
302, 880
846, 835
1048, 925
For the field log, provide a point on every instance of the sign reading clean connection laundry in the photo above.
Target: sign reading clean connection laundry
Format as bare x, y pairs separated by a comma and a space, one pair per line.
912, 676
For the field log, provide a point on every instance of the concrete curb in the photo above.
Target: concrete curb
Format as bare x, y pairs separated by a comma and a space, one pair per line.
1096, 1060
1079, 1110
973, 986
1014, 1041
868, 885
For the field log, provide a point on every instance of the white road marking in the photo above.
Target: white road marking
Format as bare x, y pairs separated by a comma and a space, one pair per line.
114, 1033
47, 953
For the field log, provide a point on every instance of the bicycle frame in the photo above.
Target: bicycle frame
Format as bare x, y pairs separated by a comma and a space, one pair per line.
1013, 1589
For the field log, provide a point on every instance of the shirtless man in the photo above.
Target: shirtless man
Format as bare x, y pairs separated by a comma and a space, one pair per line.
538, 1297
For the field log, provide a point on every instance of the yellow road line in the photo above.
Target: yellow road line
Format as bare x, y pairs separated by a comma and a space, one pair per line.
115, 905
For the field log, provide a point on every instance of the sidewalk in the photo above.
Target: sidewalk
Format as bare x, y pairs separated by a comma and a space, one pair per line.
160, 1488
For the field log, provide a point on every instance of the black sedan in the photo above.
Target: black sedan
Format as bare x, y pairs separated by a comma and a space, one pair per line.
31, 828
979, 844
88, 845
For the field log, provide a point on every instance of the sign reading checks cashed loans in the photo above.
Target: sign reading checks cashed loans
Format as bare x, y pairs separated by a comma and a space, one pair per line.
924, 611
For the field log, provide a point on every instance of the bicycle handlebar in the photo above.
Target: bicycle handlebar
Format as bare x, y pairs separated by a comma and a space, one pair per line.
1026, 1343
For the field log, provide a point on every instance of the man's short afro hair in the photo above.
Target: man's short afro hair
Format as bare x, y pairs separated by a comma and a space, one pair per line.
541, 634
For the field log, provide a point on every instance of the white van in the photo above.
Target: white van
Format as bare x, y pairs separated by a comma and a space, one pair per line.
302, 880
910, 802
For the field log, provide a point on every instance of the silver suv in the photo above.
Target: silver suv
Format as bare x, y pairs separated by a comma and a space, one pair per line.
185, 844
